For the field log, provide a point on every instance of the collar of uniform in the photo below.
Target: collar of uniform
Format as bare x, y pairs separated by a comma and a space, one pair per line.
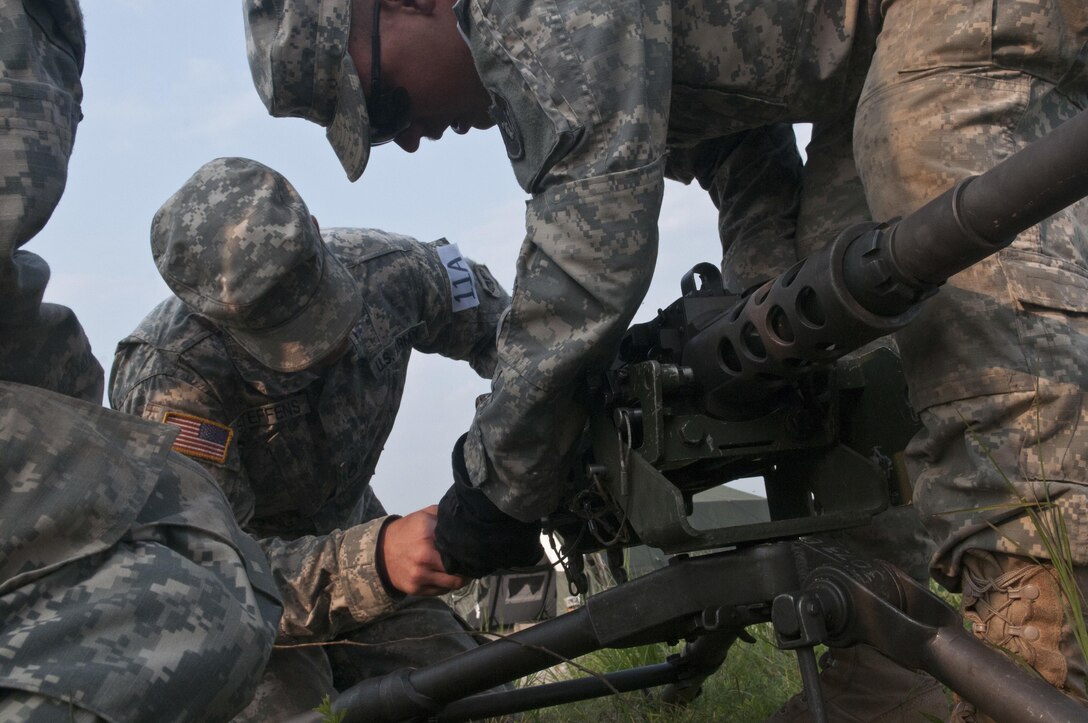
460, 11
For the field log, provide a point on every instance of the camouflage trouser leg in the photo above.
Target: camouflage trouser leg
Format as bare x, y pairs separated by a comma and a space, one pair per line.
295, 680
998, 360
419, 631
165, 625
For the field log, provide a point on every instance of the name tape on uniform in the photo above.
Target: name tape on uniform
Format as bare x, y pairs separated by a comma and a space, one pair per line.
270, 415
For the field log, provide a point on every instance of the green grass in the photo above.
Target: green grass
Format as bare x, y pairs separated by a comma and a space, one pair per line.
755, 680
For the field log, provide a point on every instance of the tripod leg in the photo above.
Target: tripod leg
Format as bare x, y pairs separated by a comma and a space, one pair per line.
810, 676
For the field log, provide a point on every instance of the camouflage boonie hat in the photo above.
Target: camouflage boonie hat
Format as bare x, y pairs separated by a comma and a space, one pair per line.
298, 55
237, 244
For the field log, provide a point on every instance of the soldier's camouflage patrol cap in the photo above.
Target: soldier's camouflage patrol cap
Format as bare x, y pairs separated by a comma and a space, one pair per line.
237, 244
298, 55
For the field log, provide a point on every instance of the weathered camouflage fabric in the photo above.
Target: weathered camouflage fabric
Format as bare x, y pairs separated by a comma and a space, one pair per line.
589, 97
276, 289
998, 362
126, 588
592, 97
755, 180
304, 445
127, 591
41, 57
418, 631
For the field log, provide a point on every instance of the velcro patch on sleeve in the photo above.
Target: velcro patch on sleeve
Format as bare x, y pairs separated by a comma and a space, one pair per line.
199, 437
462, 282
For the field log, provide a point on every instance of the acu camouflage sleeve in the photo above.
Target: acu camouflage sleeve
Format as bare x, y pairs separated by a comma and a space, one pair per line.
582, 100
754, 180
328, 583
451, 304
461, 304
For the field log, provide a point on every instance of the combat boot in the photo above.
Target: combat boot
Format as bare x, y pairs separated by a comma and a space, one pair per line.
1016, 605
860, 684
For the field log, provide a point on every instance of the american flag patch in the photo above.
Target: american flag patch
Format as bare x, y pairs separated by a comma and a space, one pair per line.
200, 437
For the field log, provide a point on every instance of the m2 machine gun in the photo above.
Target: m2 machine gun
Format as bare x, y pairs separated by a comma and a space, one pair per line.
721, 386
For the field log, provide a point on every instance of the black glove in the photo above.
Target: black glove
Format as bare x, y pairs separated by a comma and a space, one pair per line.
473, 536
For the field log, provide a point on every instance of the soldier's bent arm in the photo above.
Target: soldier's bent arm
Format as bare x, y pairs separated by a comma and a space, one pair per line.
583, 109
754, 179
424, 296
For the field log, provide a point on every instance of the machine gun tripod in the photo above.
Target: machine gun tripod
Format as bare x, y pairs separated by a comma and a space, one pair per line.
722, 386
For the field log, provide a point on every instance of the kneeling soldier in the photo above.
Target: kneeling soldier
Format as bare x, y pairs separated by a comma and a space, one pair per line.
282, 359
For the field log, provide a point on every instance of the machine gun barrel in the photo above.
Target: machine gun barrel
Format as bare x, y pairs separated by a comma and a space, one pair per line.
983, 214
871, 280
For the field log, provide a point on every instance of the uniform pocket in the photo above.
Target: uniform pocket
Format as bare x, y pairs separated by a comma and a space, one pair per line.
1036, 280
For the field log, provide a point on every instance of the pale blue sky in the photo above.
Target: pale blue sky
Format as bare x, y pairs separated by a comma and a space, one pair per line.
167, 88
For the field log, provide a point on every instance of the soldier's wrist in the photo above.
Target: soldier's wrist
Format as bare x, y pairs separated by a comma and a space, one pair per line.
379, 560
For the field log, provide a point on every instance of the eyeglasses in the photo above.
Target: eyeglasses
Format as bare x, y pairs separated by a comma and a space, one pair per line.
388, 110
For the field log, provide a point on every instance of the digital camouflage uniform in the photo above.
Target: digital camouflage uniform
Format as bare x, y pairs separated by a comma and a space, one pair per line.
127, 591
303, 446
589, 100
998, 365
41, 59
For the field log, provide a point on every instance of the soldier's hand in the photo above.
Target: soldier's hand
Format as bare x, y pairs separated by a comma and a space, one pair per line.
411, 561
474, 536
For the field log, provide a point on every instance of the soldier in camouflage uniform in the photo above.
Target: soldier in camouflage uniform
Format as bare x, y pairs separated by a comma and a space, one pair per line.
284, 355
127, 591
590, 98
